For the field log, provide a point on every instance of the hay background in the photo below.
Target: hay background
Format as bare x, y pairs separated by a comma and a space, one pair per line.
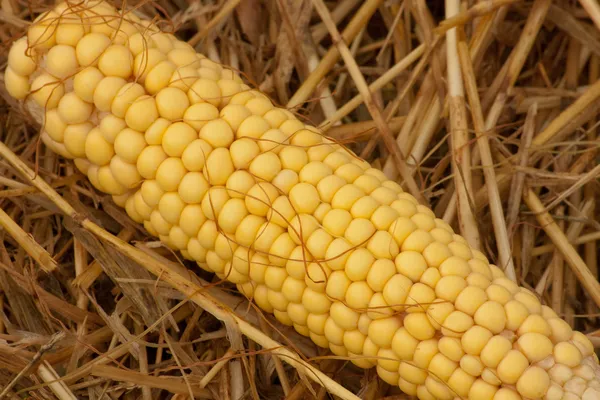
107, 325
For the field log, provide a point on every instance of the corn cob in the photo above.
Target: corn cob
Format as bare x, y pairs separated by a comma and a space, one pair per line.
303, 227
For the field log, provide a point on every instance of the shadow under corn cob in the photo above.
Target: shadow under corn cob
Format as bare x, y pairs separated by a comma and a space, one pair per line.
307, 230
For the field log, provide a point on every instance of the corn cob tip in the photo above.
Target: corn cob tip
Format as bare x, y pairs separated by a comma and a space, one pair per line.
302, 226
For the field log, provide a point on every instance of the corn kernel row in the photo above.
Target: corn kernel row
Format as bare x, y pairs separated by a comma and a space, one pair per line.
302, 226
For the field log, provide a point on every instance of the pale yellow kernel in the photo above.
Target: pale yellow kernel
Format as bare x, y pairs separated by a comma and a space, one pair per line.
431, 277
151, 192
97, 149
472, 365
132, 212
276, 299
337, 253
213, 201
192, 218
449, 287
516, 313
535, 346
47, 91
568, 354
145, 61
404, 207
382, 245
389, 363
337, 285
170, 207
358, 264
171, 103
417, 241
316, 277
419, 298
260, 298
495, 350
125, 172
456, 323
442, 367
534, 323
412, 373
507, 394
265, 166
318, 242
492, 316
160, 224
367, 183
401, 229
475, 339
533, 383
411, 264
359, 231
438, 311
470, 299
285, 180
381, 331
460, 382
243, 152
116, 60
178, 237
106, 91
378, 308
142, 114
380, 273
358, 295
55, 126
315, 302
451, 348
404, 344
184, 57
313, 173
73, 110
512, 366
443, 236
112, 186
481, 390
75, 137
218, 167
129, 145
160, 76
301, 227
177, 138
207, 235
483, 268
423, 355
582, 342
346, 196
396, 291
266, 236
16, 85
228, 89
560, 330
292, 289
529, 301
274, 277
198, 115
418, 325
61, 61
90, 48
21, 58
193, 187
383, 217
460, 249
253, 127
149, 161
